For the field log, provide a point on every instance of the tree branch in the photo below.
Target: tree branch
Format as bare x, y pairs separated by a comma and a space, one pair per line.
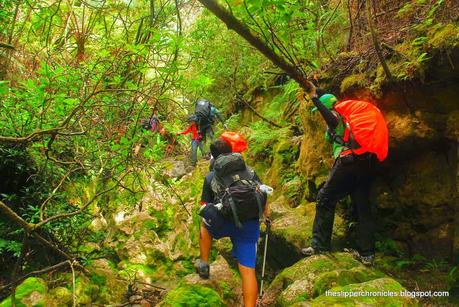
7, 46
29, 228
237, 26
259, 115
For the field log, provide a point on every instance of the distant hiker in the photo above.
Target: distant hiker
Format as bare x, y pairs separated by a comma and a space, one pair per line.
359, 135
196, 139
206, 114
153, 124
232, 205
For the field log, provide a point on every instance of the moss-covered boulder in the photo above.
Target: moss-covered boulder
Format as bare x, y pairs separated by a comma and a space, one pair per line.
224, 284
192, 295
111, 286
62, 295
292, 230
30, 293
380, 294
313, 276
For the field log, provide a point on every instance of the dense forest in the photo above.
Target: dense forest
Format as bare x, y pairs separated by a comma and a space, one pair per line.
99, 203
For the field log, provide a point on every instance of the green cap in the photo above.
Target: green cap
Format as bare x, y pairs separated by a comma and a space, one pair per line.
328, 100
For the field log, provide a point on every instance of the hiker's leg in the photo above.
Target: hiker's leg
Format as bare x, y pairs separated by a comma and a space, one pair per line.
249, 285
338, 185
211, 133
201, 148
365, 220
205, 243
194, 152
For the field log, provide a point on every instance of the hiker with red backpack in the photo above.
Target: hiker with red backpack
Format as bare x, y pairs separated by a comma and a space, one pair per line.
196, 139
233, 201
359, 135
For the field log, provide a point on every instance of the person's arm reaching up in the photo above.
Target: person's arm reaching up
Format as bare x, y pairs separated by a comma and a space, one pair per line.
328, 115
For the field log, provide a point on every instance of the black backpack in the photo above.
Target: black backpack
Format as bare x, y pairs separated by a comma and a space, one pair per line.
203, 111
237, 188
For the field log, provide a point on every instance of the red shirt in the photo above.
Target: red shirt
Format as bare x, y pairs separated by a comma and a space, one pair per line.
193, 128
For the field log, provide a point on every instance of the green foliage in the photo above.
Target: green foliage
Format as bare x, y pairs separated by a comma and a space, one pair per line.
389, 247
10, 246
263, 138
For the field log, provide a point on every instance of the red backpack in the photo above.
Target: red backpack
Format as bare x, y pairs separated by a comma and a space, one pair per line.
367, 125
237, 141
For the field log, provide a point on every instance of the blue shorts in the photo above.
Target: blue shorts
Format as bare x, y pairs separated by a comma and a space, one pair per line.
244, 240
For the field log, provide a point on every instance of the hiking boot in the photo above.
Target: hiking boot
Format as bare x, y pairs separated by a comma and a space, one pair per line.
367, 260
202, 268
309, 251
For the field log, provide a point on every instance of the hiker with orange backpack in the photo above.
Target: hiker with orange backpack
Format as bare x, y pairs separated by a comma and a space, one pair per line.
359, 135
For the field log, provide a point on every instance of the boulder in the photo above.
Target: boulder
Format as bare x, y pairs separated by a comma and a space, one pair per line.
386, 287
223, 288
31, 292
312, 277
174, 168
291, 231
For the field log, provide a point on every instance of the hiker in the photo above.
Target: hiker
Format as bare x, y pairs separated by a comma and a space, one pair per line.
351, 173
243, 231
206, 114
196, 139
153, 124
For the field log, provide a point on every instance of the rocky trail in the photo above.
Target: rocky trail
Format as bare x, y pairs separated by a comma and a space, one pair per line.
155, 248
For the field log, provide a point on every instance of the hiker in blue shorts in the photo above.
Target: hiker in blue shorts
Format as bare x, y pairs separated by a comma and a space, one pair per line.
244, 238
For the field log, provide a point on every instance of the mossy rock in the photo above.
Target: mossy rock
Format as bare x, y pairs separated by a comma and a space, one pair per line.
30, 293
142, 271
344, 277
299, 280
192, 295
223, 279
376, 285
353, 81
446, 36
62, 295
293, 226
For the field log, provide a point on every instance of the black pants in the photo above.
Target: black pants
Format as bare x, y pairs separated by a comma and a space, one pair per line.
350, 175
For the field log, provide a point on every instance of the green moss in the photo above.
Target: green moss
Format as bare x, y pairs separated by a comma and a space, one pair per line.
343, 277
130, 268
24, 290
353, 81
226, 290
442, 37
193, 295
315, 265
376, 285
62, 295
98, 279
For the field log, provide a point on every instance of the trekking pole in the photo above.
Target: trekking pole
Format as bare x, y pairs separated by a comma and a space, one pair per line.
268, 226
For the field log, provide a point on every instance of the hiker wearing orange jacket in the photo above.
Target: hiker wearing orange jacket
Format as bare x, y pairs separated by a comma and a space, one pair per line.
196, 139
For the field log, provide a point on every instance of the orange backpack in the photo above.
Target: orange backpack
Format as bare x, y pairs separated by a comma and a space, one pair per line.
367, 125
237, 141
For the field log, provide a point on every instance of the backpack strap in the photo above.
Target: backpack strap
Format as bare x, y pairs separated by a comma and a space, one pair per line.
260, 209
234, 211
